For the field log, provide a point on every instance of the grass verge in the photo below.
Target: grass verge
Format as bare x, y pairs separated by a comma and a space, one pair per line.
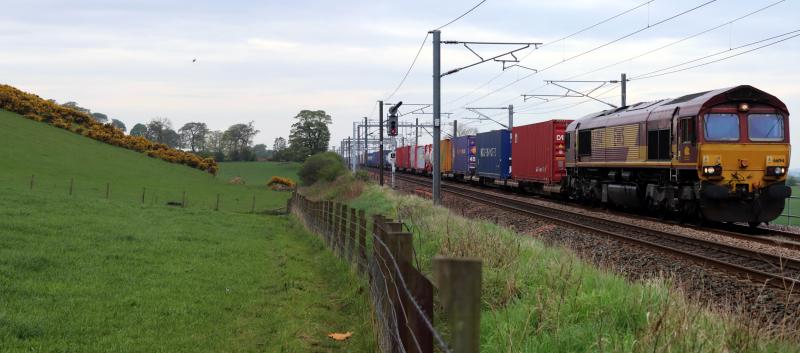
543, 299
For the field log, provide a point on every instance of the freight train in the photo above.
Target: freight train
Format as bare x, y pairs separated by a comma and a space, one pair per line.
719, 155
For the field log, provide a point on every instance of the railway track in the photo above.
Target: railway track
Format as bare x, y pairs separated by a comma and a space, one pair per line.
782, 273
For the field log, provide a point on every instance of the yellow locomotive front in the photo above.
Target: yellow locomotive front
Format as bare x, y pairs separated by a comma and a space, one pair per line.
743, 149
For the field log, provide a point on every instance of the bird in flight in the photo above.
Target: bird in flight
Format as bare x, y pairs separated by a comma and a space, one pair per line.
194, 60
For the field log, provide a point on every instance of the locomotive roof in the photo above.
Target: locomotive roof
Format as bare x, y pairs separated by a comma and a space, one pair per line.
687, 105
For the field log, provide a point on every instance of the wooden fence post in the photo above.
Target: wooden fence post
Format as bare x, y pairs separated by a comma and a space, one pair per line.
362, 240
216, 208
289, 205
342, 230
459, 283
253, 207
33, 176
351, 239
317, 216
183, 199
71, 185
334, 225
399, 246
144, 191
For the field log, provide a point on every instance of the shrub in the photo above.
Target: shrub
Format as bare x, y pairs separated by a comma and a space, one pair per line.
35, 108
325, 166
362, 175
280, 183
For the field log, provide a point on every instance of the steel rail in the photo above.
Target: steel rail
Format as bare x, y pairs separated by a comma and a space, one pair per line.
590, 223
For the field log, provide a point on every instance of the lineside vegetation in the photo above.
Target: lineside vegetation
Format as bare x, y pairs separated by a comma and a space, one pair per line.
543, 299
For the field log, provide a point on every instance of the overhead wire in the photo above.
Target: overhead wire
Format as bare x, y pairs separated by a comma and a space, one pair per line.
678, 41
669, 45
422, 46
554, 42
593, 50
664, 71
413, 62
462, 15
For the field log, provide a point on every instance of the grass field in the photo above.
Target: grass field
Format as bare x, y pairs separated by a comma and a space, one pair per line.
792, 208
81, 273
256, 174
100, 276
56, 158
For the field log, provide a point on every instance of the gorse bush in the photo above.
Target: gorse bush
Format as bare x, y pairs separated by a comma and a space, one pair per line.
277, 182
35, 108
325, 166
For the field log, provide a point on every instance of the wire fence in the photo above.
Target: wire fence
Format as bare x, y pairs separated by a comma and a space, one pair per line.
244, 201
402, 298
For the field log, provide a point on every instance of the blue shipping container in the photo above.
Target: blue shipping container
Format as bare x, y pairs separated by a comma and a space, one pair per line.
464, 155
372, 159
494, 154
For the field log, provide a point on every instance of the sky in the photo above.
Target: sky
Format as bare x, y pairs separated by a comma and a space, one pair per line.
264, 61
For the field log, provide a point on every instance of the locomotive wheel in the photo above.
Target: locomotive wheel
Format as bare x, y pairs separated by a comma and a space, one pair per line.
754, 224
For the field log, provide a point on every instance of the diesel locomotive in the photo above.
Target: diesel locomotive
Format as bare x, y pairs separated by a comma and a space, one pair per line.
719, 155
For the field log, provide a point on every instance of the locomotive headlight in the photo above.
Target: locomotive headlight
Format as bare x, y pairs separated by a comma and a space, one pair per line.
744, 107
712, 170
776, 171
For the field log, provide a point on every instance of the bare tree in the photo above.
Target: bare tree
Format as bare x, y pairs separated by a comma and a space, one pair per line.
193, 136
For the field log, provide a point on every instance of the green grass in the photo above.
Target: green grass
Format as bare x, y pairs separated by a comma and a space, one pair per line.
258, 173
543, 299
99, 276
79, 273
792, 208
56, 158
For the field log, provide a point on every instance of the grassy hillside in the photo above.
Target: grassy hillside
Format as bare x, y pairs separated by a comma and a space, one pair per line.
57, 157
79, 273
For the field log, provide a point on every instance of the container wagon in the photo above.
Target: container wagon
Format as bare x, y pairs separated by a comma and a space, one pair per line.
429, 159
494, 157
372, 160
402, 155
446, 157
464, 159
539, 153
418, 160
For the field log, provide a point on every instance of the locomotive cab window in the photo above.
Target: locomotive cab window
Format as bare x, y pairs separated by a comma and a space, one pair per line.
765, 127
567, 139
721, 127
584, 142
687, 133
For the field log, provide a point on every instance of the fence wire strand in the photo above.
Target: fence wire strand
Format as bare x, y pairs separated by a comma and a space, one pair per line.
336, 228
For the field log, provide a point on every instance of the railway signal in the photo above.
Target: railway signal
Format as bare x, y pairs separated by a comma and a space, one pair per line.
392, 121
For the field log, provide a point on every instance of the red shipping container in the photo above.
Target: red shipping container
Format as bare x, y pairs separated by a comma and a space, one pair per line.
538, 152
402, 154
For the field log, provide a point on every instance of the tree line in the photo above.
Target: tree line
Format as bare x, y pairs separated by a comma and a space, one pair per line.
233, 144
309, 135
